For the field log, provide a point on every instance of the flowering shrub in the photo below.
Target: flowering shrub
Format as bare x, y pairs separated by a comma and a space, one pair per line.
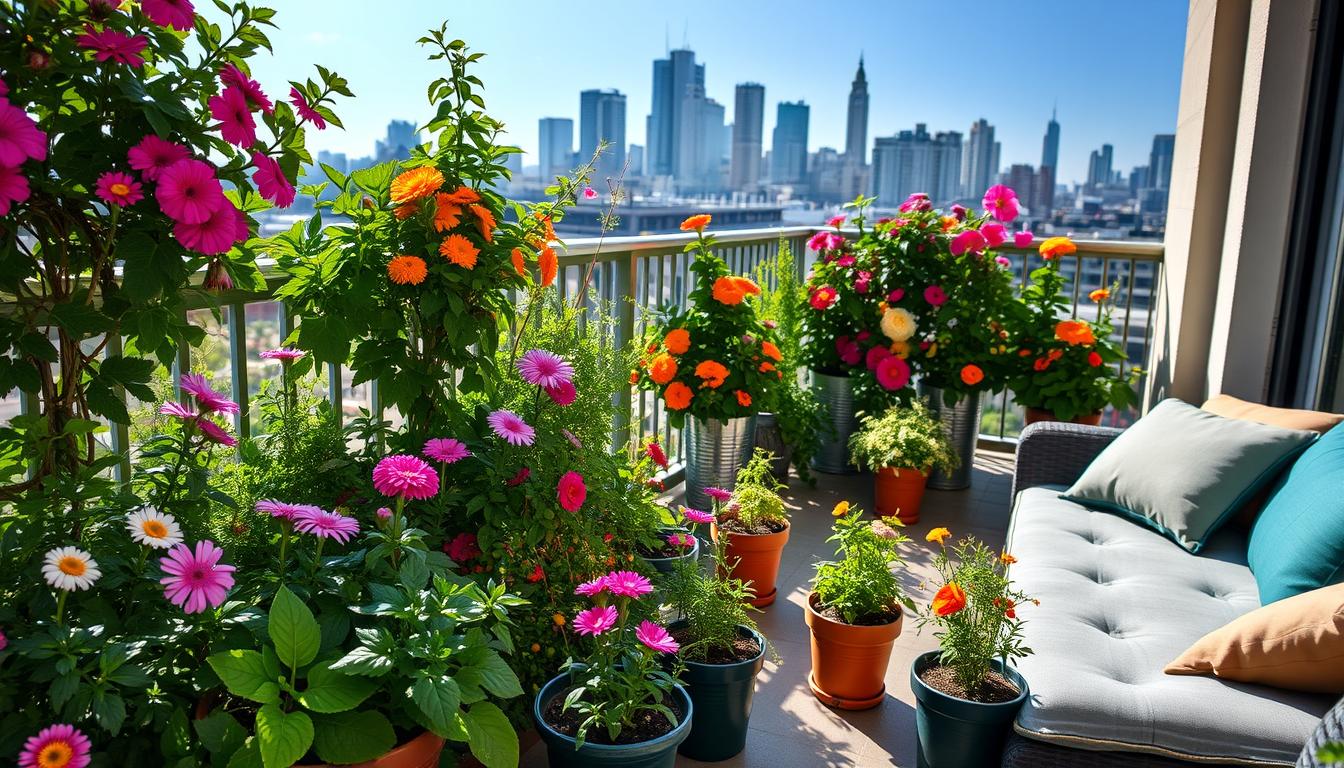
860, 585
716, 359
974, 610
1068, 366
841, 296
905, 436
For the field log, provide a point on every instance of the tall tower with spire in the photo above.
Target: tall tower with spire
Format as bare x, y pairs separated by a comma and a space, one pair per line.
856, 134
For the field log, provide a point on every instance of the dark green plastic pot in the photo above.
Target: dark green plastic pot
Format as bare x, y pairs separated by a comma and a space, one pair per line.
561, 752
668, 564
956, 733
722, 695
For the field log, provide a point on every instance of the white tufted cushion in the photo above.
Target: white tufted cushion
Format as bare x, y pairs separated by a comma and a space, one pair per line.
1118, 602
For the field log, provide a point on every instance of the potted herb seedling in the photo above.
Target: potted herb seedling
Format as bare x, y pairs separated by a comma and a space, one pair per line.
967, 692
901, 447
855, 611
754, 527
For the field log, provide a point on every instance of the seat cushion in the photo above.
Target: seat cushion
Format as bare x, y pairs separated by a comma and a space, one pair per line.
1118, 602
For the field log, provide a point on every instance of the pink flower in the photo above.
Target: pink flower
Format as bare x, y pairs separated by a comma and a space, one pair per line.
510, 427
446, 450
848, 350
935, 296
519, 477
627, 584
207, 399
281, 509
231, 75
562, 394
271, 181
462, 548
822, 297
1001, 202
655, 637
20, 138
589, 193
326, 525
895, 295
1002, 261
571, 491
845, 261
596, 620
153, 155
862, 336
836, 221
405, 476
959, 211
217, 277
994, 233
861, 282
4, 641
682, 540
696, 516
215, 433
117, 188
216, 235
196, 580
893, 373
108, 43
56, 746
13, 188
875, 356
718, 494
188, 191
918, 201
883, 530
655, 452
1023, 239
305, 110
231, 109
178, 14
592, 588
283, 353
818, 241
4, 89
383, 513
544, 369
176, 410
968, 241
573, 439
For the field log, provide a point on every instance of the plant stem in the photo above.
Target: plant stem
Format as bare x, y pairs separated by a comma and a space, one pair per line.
284, 545
60, 605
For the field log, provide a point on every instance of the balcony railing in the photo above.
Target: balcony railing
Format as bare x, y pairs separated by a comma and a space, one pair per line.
632, 276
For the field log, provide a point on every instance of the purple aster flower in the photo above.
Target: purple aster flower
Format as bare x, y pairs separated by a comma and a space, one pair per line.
596, 620
284, 353
544, 369
208, 399
655, 637
510, 426
177, 410
718, 494
696, 516
446, 450
326, 525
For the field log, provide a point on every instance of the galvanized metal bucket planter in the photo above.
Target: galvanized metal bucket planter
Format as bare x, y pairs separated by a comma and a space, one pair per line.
836, 393
715, 451
961, 424
768, 437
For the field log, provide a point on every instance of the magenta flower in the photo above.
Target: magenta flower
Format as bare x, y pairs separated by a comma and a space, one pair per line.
196, 580
571, 491
462, 548
13, 188
207, 399
306, 112
627, 584
1001, 202
510, 427
231, 75
405, 476
1023, 239
178, 14
935, 296
845, 261
152, 156
270, 180
875, 356
177, 410
848, 350
919, 201
231, 109
893, 373
217, 234
215, 433
959, 211
117, 188
4, 641
562, 394
681, 540
589, 193
544, 369
994, 233
818, 241
969, 241
718, 494
217, 277
655, 637
861, 282
326, 525
655, 452
283, 509
592, 588
446, 450
519, 477
836, 221
56, 746
188, 191
4, 89
895, 295
596, 620
108, 43
383, 513
283, 353
1002, 261
696, 516
20, 138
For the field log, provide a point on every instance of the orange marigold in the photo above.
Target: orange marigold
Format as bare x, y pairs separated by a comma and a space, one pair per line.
407, 270
696, 223
485, 220
634, 377
1007, 559
746, 286
459, 250
663, 368
447, 214
972, 375
727, 291
677, 396
743, 399
464, 195
767, 366
416, 183
1100, 295
550, 265
1075, 332
950, 599
519, 265
677, 341
712, 372
1054, 247
771, 351
405, 211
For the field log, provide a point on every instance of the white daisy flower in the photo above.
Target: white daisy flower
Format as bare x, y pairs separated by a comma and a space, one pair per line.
154, 528
70, 568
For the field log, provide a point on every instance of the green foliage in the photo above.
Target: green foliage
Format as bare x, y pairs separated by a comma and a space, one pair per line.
904, 437
1331, 752
798, 412
712, 603
861, 583
756, 494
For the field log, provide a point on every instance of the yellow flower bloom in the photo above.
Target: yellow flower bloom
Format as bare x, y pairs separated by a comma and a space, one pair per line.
898, 324
841, 509
938, 535
1100, 295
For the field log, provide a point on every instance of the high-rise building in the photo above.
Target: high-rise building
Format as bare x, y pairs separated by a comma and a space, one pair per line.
856, 129
1022, 179
602, 118
1159, 161
673, 81
701, 149
1139, 180
979, 160
748, 134
555, 148
1043, 193
1099, 167
1050, 145
337, 160
788, 144
401, 136
635, 156
916, 161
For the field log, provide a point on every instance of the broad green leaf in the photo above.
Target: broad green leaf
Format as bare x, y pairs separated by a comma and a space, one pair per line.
490, 736
498, 678
438, 698
364, 660
293, 629
244, 674
283, 737
329, 691
249, 756
221, 734
352, 737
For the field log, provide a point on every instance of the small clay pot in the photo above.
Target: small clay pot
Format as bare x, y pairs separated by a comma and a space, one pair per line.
1040, 414
849, 661
899, 492
755, 560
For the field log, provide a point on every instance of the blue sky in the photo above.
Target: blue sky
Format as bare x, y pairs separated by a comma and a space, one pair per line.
1112, 68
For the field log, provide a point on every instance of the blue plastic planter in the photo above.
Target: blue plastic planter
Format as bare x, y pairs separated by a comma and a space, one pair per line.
956, 733
722, 696
561, 752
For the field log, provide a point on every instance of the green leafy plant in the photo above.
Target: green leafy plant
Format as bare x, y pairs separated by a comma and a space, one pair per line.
860, 585
756, 501
905, 436
713, 604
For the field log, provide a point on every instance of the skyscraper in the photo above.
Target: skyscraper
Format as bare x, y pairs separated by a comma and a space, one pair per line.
555, 149
673, 81
748, 133
856, 132
401, 136
1159, 161
916, 161
979, 160
1050, 145
602, 118
788, 144
1099, 167
701, 147
636, 155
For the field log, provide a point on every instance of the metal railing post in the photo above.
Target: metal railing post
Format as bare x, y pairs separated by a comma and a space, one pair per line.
624, 291
242, 421
120, 433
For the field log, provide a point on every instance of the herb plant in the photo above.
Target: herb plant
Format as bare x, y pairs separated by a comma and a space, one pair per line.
756, 498
904, 437
711, 602
860, 584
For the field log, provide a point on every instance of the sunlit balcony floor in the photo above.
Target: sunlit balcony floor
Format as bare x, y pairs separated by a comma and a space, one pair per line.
789, 727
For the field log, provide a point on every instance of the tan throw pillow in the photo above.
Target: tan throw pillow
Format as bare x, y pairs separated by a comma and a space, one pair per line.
1295, 643
1230, 407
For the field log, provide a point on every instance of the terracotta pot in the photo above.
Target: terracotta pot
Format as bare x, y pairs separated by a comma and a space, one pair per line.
1040, 414
899, 492
849, 662
421, 752
755, 559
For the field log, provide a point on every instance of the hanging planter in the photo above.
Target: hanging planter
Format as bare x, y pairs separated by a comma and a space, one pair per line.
954, 732
721, 697
562, 752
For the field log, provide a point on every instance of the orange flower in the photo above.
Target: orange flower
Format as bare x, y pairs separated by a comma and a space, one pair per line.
459, 250
746, 286
1041, 364
743, 399
771, 351
548, 227
634, 377
407, 270
662, 370
1007, 559
550, 265
519, 265
1075, 332
713, 373
485, 220
767, 366
1100, 295
447, 214
949, 599
948, 222
938, 534
1094, 359
677, 396
1054, 247
405, 211
1024, 352
463, 195
727, 291
972, 375
697, 222
677, 341
416, 183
